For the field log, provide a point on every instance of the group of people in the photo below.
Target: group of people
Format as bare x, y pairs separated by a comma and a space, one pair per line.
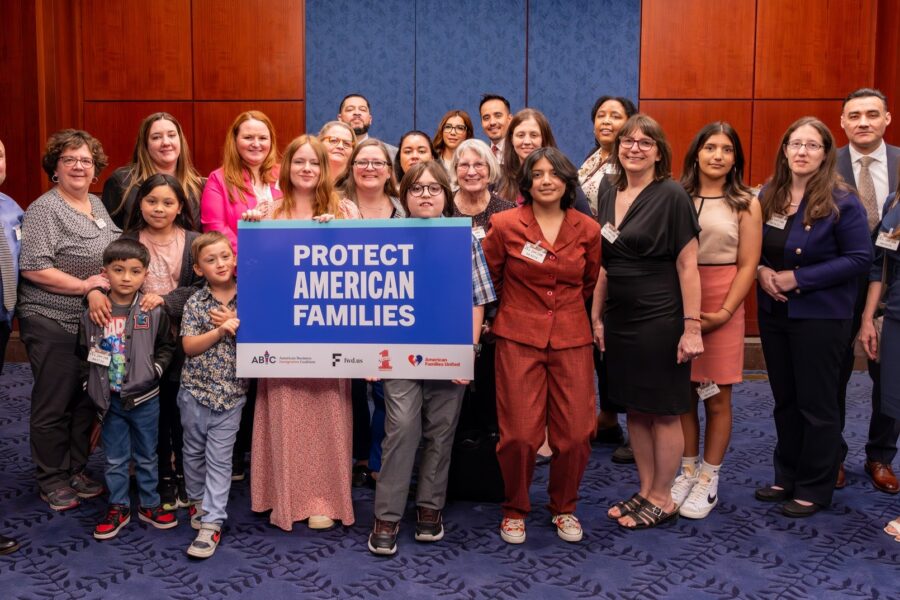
612, 269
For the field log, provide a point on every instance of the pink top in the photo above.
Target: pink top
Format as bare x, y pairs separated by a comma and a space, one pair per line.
218, 214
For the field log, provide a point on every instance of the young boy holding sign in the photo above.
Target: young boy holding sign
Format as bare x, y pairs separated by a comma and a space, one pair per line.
126, 358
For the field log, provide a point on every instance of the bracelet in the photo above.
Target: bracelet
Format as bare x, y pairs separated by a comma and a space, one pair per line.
687, 318
728, 311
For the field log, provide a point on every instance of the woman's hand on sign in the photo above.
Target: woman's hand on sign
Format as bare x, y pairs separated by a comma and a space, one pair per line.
252, 215
323, 218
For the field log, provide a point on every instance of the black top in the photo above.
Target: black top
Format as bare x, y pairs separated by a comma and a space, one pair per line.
495, 204
774, 240
115, 186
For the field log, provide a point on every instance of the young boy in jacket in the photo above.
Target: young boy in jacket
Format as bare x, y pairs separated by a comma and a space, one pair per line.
125, 360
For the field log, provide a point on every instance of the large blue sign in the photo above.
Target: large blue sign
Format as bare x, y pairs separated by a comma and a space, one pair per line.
350, 298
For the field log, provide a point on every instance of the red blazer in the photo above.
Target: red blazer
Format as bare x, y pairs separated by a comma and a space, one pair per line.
542, 303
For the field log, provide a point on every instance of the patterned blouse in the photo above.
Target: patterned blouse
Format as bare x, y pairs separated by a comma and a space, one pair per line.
495, 204
57, 236
591, 173
210, 376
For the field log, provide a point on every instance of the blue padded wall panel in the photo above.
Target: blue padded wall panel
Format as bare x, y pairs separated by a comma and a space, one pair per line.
466, 48
365, 47
579, 50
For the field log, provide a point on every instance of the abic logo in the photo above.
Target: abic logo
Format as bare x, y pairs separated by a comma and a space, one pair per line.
264, 359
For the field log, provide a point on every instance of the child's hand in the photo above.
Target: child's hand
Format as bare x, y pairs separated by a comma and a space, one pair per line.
220, 315
229, 327
151, 301
323, 218
99, 308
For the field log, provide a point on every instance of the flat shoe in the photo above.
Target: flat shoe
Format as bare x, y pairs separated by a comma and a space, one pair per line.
320, 522
649, 515
799, 511
771, 494
626, 506
893, 529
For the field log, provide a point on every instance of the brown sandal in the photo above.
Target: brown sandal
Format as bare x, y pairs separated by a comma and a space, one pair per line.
626, 506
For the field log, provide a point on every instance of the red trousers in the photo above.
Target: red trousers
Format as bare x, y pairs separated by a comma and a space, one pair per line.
538, 388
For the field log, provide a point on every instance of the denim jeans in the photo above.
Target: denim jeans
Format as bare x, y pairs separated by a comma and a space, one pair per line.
128, 434
208, 443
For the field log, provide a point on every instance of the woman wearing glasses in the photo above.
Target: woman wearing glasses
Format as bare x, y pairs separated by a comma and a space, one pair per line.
815, 245
455, 127
423, 411
63, 237
339, 140
415, 147
646, 312
369, 183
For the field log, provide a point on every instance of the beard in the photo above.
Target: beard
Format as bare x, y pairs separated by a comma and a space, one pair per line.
361, 130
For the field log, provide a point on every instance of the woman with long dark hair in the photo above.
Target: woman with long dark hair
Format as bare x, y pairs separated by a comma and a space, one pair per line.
730, 240
815, 244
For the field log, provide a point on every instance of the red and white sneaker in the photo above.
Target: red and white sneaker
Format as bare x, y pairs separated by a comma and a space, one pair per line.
117, 516
568, 527
158, 517
206, 542
512, 530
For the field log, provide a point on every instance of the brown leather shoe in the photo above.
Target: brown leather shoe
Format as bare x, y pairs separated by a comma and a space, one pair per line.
841, 482
883, 477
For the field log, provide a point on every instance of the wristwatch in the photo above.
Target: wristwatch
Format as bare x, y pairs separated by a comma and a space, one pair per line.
477, 349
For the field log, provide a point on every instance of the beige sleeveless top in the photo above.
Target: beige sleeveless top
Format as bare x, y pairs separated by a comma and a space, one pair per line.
719, 233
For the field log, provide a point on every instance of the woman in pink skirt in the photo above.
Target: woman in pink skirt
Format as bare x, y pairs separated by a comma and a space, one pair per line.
303, 428
730, 241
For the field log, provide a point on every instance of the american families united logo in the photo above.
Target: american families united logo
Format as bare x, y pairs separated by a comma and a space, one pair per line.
414, 359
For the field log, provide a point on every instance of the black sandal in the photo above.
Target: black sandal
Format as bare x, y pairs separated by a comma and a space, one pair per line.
649, 515
626, 506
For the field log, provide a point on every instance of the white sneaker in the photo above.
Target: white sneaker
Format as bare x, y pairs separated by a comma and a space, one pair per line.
682, 487
206, 542
703, 498
512, 531
320, 522
568, 527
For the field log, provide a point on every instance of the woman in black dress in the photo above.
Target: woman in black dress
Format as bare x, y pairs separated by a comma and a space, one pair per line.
649, 288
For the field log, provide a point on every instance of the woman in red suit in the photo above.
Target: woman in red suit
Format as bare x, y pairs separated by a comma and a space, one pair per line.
544, 257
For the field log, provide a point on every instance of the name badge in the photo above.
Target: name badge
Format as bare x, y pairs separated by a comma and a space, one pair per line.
886, 241
99, 357
777, 221
534, 252
610, 233
100, 223
479, 233
707, 390
18, 230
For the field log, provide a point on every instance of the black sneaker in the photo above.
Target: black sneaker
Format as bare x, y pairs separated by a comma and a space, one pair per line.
362, 476
168, 493
62, 498
116, 517
238, 472
84, 486
623, 455
429, 525
383, 539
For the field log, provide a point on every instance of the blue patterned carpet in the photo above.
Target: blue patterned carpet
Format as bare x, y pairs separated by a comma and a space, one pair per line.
745, 549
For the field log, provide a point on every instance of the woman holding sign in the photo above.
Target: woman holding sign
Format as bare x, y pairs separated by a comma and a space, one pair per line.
815, 245
303, 428
544, 257
650, 330
423, 409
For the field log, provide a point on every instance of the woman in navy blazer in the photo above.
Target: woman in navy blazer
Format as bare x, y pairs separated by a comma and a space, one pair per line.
815, 245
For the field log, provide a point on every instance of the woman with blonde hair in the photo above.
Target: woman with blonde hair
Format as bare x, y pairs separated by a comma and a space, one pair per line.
296, 419
246, 178
160, 147
339, 140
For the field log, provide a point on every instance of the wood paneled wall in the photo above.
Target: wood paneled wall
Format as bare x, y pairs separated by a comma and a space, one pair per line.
762, 64
104, 66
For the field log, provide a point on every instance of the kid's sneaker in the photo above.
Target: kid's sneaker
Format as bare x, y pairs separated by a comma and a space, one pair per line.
703, 498
117, 517
682, 487
195, 512
158, 517
206, 542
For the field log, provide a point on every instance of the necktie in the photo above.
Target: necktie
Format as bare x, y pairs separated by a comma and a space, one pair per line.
7, 271
866, 188
496, 150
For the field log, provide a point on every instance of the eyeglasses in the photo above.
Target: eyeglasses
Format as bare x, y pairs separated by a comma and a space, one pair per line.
69, 161
336, 141
417, 189
643, 143
455, 128
810, 146
464, 167
365, 164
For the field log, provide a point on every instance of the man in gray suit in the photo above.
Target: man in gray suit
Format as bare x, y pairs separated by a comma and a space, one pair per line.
870, 165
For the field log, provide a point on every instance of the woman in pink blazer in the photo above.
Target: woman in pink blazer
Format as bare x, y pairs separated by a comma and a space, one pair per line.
247, 178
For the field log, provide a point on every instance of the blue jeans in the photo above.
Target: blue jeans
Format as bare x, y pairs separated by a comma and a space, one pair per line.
208, 439
128, 434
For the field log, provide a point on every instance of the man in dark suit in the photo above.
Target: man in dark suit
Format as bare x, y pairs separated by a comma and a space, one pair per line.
870, 165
